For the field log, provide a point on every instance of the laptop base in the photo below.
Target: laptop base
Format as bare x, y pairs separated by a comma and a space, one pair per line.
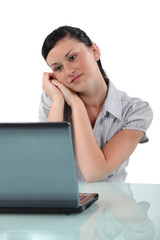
50, 210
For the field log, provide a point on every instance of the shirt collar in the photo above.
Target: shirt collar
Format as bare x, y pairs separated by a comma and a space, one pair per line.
113, 103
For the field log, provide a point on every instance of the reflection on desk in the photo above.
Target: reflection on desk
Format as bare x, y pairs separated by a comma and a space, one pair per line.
123, 212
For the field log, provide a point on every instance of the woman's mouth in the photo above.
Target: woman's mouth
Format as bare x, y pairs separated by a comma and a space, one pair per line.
76, 79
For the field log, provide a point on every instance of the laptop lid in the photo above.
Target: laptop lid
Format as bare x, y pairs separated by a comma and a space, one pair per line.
37, 166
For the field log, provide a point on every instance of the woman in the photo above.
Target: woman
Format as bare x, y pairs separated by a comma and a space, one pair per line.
107, 123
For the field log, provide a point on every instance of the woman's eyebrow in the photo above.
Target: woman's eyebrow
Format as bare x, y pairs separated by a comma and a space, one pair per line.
68, 53
64, 56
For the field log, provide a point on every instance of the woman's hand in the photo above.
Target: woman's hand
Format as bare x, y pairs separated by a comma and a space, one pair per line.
69, 95
51, 89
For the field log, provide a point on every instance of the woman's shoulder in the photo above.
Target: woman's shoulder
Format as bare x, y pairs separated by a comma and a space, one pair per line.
134, 105
127, 102
44, 107
45, 101
121, 102
134, 112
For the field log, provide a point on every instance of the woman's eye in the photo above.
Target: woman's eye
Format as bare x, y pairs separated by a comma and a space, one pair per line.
57, 69
72, 58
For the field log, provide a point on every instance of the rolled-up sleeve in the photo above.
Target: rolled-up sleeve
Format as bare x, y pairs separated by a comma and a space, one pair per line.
138, 117
44, 107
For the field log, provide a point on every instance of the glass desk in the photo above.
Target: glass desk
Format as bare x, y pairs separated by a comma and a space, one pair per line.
123, 212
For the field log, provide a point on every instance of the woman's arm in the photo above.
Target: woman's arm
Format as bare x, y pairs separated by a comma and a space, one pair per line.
56, 111
95, 163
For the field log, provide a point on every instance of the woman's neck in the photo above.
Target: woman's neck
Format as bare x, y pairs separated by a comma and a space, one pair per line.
95, 96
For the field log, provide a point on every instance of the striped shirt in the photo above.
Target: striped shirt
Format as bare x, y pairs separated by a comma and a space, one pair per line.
119, 112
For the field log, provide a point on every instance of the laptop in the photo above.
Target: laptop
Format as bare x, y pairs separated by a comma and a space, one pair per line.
38, 169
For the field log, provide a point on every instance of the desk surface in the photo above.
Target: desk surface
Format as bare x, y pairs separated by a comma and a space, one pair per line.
123, 212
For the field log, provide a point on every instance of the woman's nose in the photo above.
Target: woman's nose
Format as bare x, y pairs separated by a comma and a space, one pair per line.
70, 70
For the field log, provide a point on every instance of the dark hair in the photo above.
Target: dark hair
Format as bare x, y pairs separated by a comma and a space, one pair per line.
73, 32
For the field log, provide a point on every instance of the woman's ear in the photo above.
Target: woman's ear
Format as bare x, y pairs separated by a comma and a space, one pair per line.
96, 52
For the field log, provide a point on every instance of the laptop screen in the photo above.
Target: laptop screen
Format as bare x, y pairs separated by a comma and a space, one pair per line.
38, 163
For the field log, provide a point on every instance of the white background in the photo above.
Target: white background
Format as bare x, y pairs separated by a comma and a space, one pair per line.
128, 34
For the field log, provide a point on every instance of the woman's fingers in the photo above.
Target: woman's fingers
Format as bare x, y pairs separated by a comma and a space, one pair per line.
51, 90
67, 93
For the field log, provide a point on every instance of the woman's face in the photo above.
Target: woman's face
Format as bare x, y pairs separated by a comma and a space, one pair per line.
74, 64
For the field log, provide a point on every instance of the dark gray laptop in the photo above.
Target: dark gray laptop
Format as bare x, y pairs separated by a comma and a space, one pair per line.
38, 169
